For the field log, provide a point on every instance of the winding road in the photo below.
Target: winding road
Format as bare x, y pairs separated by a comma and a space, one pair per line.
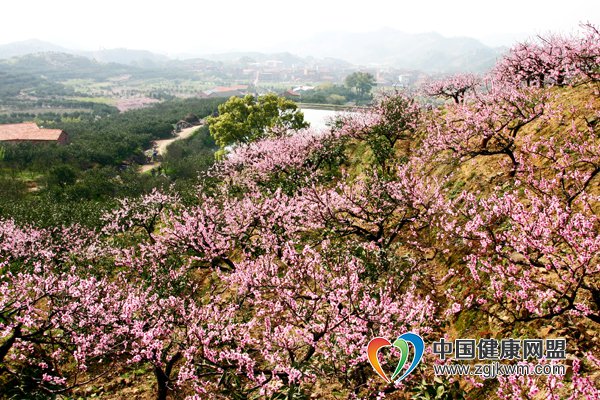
161, 146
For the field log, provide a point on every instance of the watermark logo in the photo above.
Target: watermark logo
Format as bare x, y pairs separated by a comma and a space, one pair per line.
401, 344
505, 357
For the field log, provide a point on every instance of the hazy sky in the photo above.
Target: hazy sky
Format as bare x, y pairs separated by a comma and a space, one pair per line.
177, 26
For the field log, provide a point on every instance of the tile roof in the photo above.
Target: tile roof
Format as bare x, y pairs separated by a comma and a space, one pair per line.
27, 131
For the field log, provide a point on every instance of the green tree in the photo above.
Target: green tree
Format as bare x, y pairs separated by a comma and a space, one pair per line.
62, 176
362, 82
245, 119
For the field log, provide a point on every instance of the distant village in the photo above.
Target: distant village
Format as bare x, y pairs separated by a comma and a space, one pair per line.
250, 76
294, 69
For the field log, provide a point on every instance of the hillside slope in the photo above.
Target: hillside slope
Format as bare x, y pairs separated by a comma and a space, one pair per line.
302, 254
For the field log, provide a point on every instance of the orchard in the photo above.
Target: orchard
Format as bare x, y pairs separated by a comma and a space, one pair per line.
480, 218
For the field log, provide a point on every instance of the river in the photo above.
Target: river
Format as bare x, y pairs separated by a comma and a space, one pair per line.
318, 118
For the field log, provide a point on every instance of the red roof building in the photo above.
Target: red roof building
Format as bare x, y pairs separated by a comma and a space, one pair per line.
291, 94
30, 132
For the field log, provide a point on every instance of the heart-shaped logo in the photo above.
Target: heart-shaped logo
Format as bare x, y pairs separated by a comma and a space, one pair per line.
401, 344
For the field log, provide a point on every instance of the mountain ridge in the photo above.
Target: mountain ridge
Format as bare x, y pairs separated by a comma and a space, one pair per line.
429, 51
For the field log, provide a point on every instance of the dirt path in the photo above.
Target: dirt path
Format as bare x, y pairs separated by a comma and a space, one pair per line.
161, 146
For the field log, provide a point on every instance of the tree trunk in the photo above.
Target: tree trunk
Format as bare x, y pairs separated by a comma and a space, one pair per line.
6, 346
162, 381
163, 377
515, 163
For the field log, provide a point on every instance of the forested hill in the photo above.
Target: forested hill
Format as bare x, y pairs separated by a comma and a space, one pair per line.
472, 214
62, 66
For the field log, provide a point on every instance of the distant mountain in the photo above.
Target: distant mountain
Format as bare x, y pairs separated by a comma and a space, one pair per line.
17, 49
139, 58
56, 65
430, 52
